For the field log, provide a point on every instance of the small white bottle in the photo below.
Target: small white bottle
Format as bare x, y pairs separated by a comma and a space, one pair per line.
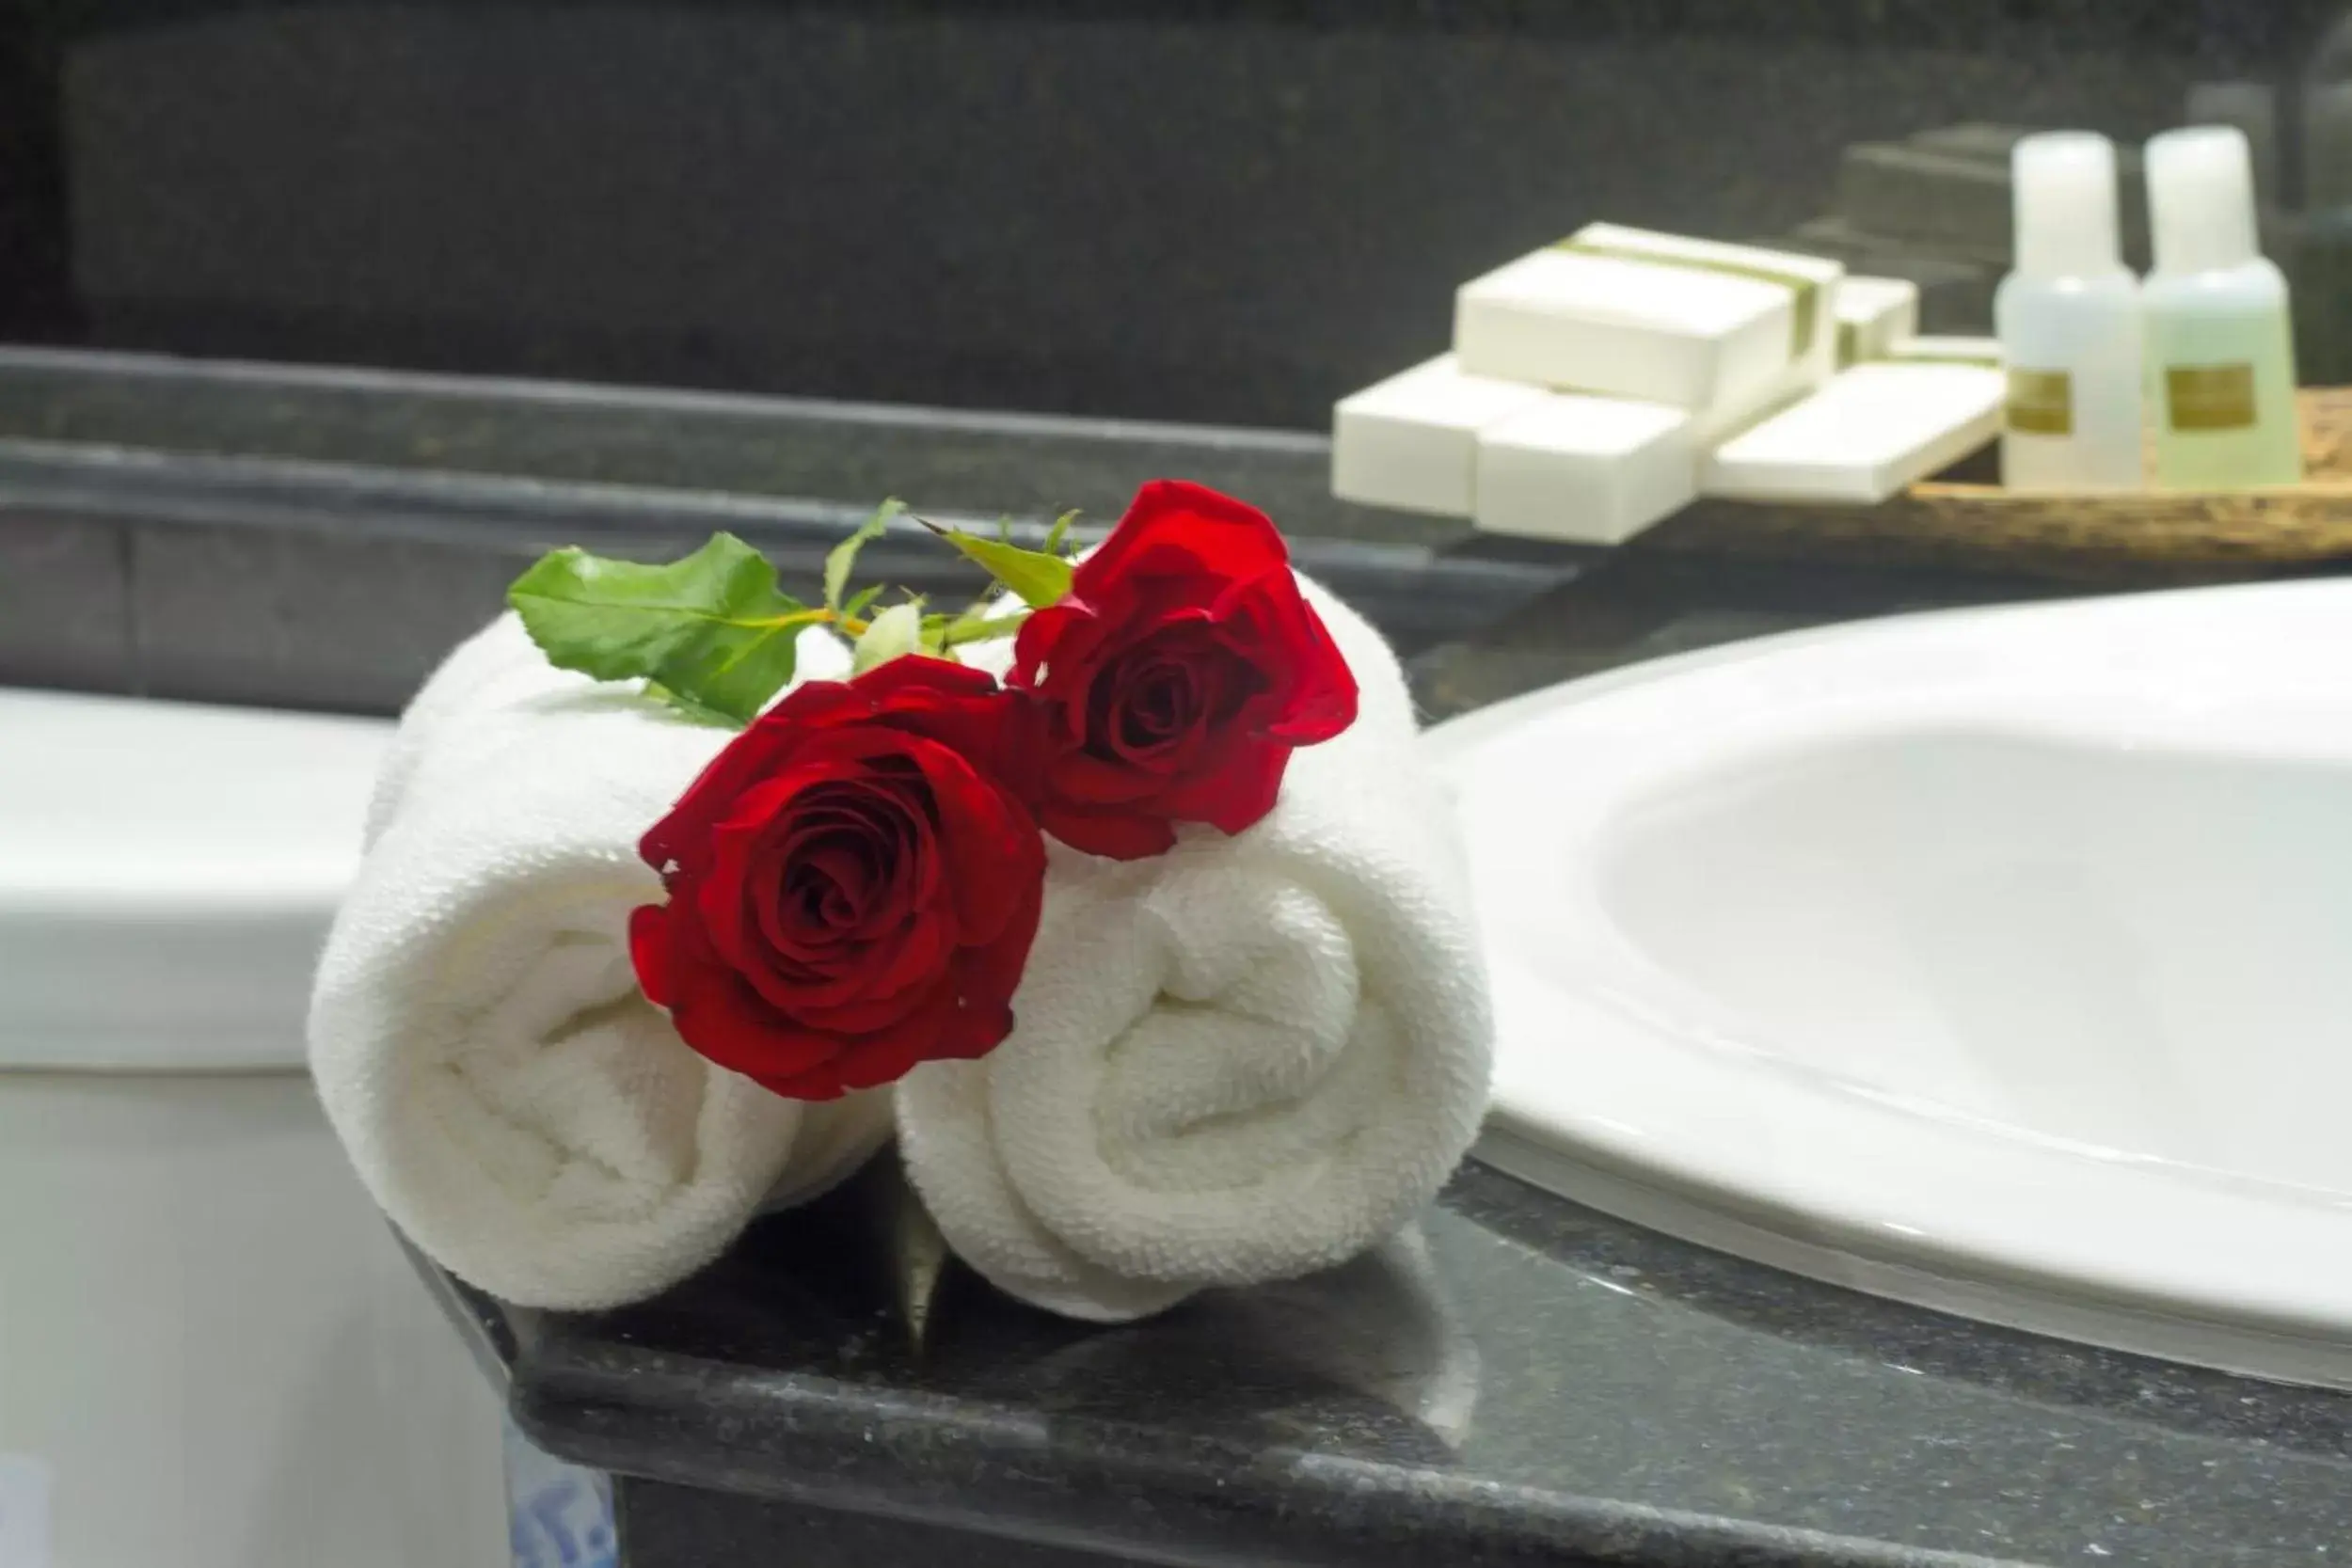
2068, 318
2220, 349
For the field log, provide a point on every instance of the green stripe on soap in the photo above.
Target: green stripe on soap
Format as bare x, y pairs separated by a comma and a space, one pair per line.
1805, 306
1910, 356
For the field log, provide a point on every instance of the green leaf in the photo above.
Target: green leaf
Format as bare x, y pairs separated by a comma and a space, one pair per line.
687, 707
1039, 578
1060, 531
859, 602
976, 625
978, 628
842, 557
894, 633
711, 631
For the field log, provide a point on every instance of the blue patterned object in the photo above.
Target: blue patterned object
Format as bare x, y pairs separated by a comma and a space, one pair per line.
558, 1515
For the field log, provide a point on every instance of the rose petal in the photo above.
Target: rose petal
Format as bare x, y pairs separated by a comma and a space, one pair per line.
1226, 537
895, 968
988, 842
724, 1021
885, 1058
888, 686
724, 863
861, 987
770, 745
817, 1084
1118, 835
1323, 696
987, 978
1034, 645
851, 866
649, 951
1249, 788
1080, 776
1056, 648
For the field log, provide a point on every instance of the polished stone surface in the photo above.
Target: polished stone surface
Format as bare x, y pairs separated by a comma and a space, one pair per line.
1541, 1384
64, 611
665, 1523
319, 539
568, 432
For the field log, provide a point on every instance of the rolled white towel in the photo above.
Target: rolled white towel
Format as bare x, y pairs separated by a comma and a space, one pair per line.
1244, 1061
477, 1034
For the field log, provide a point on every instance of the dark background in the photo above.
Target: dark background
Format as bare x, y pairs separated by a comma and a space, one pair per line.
1228, 213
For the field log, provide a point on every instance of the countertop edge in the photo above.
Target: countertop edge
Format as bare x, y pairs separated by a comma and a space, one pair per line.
1092, 1484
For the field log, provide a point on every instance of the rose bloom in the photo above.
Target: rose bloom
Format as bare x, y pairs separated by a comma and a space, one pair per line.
1176, 677
852, 887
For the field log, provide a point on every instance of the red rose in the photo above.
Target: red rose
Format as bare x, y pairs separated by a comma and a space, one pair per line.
852, 888
1177, 675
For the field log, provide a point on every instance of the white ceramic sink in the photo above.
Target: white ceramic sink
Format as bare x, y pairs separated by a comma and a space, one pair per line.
1999, 960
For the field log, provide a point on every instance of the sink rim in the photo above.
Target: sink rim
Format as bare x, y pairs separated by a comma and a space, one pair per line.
2129, 1250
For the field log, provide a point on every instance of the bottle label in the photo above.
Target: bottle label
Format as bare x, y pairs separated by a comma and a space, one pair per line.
2209, 397
2041, 402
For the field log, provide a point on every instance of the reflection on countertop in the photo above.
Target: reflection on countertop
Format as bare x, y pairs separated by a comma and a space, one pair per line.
1526, 1381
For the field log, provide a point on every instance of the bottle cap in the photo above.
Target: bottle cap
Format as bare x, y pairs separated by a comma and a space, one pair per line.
2062, 184
2200, 199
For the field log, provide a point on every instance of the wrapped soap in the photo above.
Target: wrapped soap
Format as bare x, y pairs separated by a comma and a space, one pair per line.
1873, 430
1873, 316
1412, 442
1718, 330
1585, 469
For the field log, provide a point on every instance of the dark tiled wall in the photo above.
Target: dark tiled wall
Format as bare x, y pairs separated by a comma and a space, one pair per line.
1210, 212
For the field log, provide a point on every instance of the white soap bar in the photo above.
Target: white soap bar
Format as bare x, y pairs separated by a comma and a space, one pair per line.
1411, 441
1949, 350
1873, 316
1712, 427
1864, 437
1587, 469
1695, 323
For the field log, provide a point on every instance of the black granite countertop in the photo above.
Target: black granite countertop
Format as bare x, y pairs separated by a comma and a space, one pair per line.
1526, 1381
